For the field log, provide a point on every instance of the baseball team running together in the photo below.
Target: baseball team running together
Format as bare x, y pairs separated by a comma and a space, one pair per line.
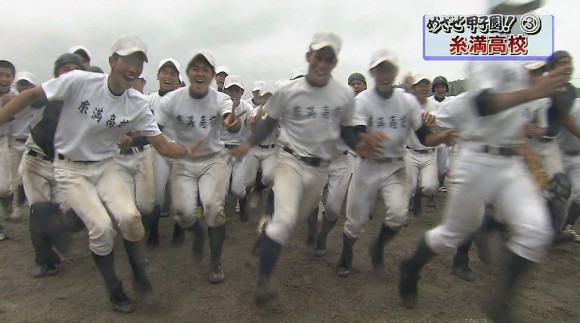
88, 150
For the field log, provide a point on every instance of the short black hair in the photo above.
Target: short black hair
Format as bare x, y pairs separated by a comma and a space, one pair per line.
6, 64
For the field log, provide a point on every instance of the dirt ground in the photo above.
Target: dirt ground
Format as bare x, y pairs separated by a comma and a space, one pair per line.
309, 289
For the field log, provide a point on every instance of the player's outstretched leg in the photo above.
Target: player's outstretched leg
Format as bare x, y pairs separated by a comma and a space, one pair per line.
312, 220
409, 273
244, 215
216, 242
153, 222
568, 229
136, 254
327, 225
343, 268
499, 308
461, 261
198, 231
269, 253
119, 300
42, 233
376, 249
178, 236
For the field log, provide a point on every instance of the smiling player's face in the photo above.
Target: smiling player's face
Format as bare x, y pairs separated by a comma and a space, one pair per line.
124, 71
200, 75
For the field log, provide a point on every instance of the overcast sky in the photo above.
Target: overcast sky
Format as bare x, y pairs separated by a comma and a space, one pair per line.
257, 39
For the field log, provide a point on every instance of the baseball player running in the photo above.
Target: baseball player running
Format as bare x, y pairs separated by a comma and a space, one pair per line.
261, 156
440, 88
196, 113
169, 80
46, 231
311, 112
98, 110
421, 161
7, 74
488, 169
388, 116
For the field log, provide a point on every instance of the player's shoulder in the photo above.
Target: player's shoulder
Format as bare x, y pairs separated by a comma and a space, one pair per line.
137, 97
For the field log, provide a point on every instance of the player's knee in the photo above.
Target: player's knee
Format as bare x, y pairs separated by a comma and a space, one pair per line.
131, 226
101, 237
396, 216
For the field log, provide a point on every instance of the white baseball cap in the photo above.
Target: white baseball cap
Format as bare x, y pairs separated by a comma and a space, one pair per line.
25, 76
258, 85
534, 65
169, 60
534, 4
76, 48
383, 55
222, 69
128, 45
417, 78
232, 80
205, 54
326, 39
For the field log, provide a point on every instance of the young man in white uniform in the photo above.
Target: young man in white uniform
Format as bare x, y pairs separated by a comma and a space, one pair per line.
7, 73
391, 116
440, 88
311, 111
196, 113
262, 156
488, 169
168, 75
98, 110
46, 229
19, 131
421, 161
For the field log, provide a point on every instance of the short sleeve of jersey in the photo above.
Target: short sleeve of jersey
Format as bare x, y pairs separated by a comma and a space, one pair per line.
225, 104
163, 113
275, 106
454, 113
147, 124
60, 88
361, 114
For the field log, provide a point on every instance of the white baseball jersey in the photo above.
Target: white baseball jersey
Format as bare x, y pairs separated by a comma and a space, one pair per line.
251, 103
273, 136
154, 100
500, 129
93, 119
237, 138
412, 141
446, 99
310, 117
195, 119
397, 117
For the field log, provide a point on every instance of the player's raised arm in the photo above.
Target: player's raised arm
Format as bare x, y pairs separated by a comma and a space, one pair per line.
20, 102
